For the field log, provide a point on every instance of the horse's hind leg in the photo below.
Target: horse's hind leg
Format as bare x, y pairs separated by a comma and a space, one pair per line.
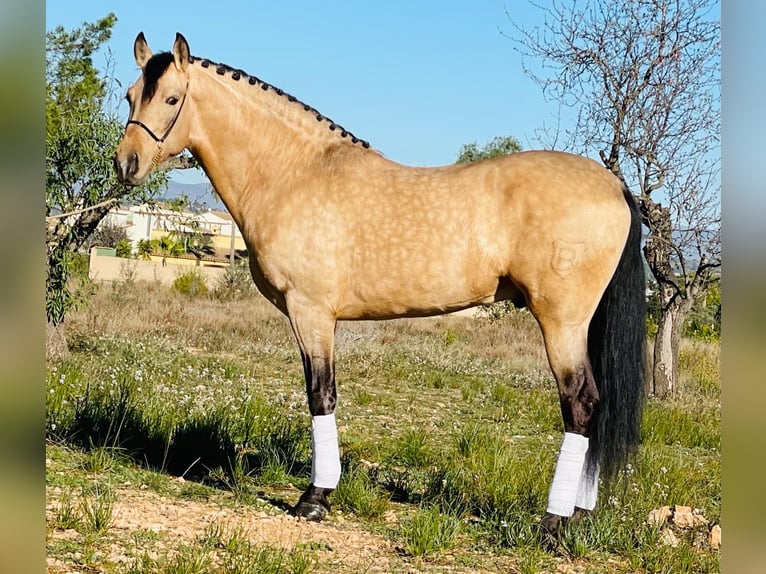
574, 484
315, 334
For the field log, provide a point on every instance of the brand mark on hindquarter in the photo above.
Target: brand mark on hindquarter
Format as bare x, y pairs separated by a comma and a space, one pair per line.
565, 256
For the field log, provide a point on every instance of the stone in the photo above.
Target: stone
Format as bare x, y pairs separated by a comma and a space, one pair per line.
682, 516
714, 538
659, 516
668, 537
685, 517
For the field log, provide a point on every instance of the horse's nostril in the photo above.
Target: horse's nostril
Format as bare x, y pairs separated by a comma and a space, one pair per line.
116, 165
132, 164
127, 168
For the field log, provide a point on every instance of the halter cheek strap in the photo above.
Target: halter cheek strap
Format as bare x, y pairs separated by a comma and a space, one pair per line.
158, 140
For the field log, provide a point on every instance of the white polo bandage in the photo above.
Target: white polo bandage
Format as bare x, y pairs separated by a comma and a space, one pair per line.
587, 494
325, 459
566, 478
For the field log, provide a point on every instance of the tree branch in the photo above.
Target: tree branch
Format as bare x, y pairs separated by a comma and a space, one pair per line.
104, 203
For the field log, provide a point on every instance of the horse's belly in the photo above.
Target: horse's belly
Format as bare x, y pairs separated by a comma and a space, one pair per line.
399, 295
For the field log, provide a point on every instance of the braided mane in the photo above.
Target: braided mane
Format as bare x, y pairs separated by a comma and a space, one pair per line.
237, 75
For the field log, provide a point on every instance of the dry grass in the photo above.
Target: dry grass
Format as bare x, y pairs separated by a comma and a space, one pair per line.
146, 309
232, 326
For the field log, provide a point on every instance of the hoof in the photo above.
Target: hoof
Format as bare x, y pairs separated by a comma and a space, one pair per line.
310, 511
550, 531
313, 505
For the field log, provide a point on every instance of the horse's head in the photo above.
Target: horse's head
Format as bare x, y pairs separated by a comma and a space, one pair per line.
158, 125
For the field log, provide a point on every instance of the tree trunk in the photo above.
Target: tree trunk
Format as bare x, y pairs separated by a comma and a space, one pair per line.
56, 347
666, 344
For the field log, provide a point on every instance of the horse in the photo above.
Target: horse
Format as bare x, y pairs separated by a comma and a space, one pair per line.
335, 231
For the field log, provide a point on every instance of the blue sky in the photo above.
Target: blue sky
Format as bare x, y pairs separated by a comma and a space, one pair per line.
416, 79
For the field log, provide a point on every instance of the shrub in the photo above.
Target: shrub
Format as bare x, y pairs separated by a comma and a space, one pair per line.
106, 235
146, 247
235, 283
497, 311
124, 248
190, 283
80, 267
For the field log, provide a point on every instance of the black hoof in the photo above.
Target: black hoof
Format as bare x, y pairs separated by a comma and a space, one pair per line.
313, 505
550, 531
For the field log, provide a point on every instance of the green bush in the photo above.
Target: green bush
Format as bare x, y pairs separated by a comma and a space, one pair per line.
80, 267
124, 248
704, 323
146, 247
191, 283
700, 329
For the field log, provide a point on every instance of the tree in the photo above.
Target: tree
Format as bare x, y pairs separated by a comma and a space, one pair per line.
82, 131
105, 235
146, 247
169, 247
501, 145
642, 78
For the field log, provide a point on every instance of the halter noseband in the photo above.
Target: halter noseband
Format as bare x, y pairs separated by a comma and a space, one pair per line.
161, 140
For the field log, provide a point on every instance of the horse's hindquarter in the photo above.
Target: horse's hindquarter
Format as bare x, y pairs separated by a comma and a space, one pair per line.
570, 226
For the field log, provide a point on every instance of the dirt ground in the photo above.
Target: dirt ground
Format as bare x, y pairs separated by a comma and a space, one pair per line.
339, 543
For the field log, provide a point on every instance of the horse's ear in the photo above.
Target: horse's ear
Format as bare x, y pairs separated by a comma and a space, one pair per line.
141, 50
181, 52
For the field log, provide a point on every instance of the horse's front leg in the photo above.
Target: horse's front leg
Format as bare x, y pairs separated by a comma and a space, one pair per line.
315, 332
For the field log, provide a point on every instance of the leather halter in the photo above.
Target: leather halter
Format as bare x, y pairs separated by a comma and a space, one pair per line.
160, 141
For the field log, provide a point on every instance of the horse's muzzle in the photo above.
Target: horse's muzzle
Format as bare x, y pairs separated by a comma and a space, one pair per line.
126, 169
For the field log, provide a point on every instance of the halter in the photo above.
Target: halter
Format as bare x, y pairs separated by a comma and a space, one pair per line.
160, 141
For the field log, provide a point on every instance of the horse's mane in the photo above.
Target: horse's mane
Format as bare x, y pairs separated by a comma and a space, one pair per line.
237, 75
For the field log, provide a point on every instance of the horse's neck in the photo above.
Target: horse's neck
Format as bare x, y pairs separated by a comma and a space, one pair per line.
250, 141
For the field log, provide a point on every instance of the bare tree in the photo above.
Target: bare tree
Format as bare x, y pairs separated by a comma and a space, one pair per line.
641, 79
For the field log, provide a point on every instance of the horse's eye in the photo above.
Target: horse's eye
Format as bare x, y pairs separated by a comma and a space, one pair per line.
172, 100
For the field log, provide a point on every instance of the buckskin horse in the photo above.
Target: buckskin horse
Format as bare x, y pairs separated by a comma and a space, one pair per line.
336, 232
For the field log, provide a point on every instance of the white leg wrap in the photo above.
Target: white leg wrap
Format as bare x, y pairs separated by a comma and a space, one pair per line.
325, 459
587, 494
566, 479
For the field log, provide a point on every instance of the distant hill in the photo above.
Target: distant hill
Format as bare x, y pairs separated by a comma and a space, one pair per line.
199, 194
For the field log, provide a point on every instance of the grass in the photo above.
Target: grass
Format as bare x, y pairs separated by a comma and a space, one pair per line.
429, 530
231, 557
449, 429
358, 493
97, 508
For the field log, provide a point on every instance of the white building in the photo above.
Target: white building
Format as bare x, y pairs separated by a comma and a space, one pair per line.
146, 222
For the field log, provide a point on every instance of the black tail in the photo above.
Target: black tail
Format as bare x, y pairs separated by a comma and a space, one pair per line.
616, 346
